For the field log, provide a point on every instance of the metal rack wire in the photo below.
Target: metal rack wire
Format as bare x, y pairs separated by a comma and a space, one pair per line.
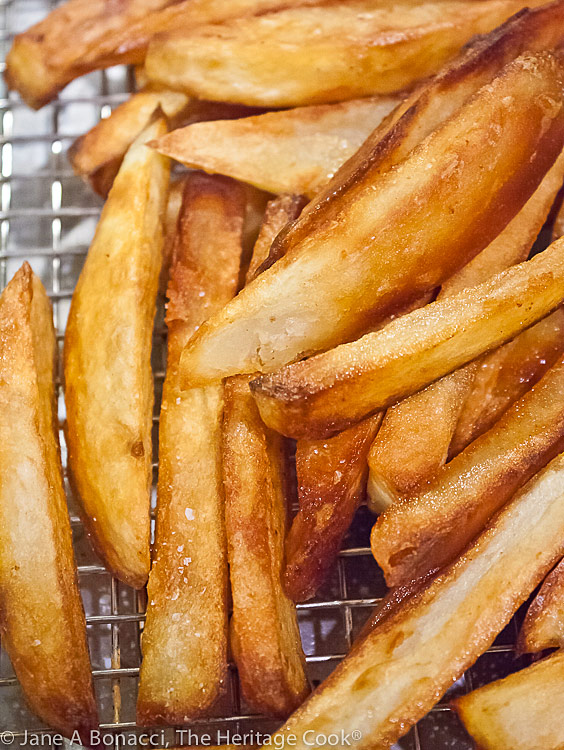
48, 216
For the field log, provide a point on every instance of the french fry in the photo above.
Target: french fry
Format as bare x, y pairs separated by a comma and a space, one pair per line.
558, 228
42, 626
107, 367
185, 638
301, 56
543, 626
329, 392
334, 285
521, 712
424, 532
264, 630
331, 485
413, 442
505, 375
293, 151
81, 36
419, 646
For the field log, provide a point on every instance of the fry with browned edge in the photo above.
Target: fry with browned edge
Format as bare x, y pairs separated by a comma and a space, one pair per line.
42, 622
185, 638
329, 392
423, 643
107, 363
521, 712
543, 626
338, 281
422, 533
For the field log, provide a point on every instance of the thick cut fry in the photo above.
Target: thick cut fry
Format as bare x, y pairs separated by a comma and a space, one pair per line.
505, 375
107, 367
293, 151
331, 485
544, 624
185, 638
522, 712
558, 228
415, 436
419, 646
419, 534
85, 35
42, 622
331, 391
319, 55
339, 280
265, 637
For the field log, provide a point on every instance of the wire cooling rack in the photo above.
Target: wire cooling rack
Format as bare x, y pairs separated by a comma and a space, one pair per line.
48, 217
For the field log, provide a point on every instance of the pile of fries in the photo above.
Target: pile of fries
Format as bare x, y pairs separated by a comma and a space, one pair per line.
357, 311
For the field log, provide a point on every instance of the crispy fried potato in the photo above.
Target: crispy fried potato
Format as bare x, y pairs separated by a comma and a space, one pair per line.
318, 295
42, 624
107, 363
331, 485
421, 645
329, 392
422, 533
558, 227
84, 35
264, 630
544, 623
185, 638
413, 442
521, 712
505, 375
319, 55
293, 151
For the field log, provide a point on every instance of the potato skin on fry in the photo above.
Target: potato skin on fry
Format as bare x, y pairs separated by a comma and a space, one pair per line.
107, 368
264, 630
329, 392
42, 621
339, 281
521, 712
184, 667
420, 645
543, 626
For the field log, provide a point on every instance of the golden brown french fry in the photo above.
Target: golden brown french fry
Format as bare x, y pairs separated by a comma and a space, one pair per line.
107, 365
301, 55
558, 228
318, 295
97, 155
424, 532
80, 36
413, 442
521, 712
264, 630
293, 151
331, 485
329, 392
543, 626
505, 375
42, 626
421, 645
185, 638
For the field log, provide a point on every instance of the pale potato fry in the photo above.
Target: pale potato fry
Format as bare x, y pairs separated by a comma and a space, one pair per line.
420, 645
319, 55
293, 151
107, 363
318, 295
84, 35
424, 532
42, 627
184, 665
505, 375
329, 392
264, 631
413, 442
544, 623
521, 712
331, 485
